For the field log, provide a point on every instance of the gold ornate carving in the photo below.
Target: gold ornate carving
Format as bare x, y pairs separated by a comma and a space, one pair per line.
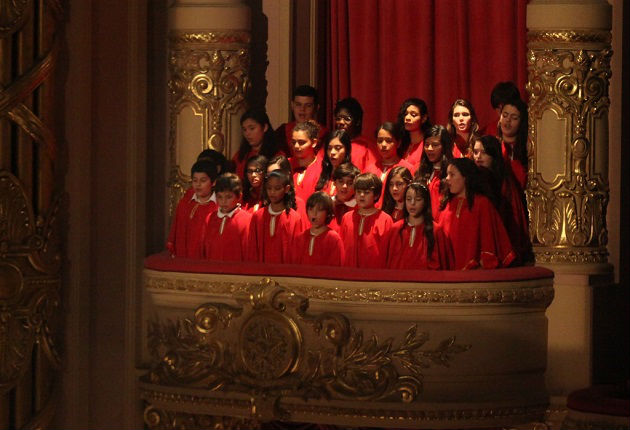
270, 348
569, 36
161, 419
14, 14
539, 296
568, 214
208, 72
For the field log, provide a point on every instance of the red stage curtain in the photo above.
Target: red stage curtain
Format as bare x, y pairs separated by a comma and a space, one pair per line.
384, 51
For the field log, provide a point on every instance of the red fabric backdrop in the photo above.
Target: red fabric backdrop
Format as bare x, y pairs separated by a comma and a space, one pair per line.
384, 51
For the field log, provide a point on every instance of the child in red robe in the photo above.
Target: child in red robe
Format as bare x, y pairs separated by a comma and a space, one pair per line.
319, 245
258, 138
186, 236
432, 171
471, 223
416, 242
227, 229
344, 200
337, 150
305, 164
365, 230
348, 116
275, 226
255, 171
388, 144
394, 193
463, 127
413, 119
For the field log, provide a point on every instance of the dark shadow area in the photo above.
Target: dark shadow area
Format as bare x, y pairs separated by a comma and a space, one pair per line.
257, 96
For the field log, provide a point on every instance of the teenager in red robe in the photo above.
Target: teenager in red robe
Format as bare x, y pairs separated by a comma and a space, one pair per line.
255, 171
348, 116
432, 171
471, 223
186, 236
502, 93
463, 127
514, 135
388, 143
394, 190
416, 242
365, 230
226, 233
337, 150
319, 244
304, 107
306, 166
413, 120
274, 227
343, 200
258, 138
508, 197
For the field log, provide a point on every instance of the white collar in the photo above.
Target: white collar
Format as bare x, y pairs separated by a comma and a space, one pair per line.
230, 214
213, 198
272, 212
350, 203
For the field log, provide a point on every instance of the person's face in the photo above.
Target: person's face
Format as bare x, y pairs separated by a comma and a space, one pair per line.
316, 216
303, 108
479, 155
202, 185
365, 199
275, 190
254, 175
227, 200
336, 152
414, 203
397, 188
413, 118
345, 188
455, 181
303, 146
344, 121
510, 120
461, 119
433, 148
253, 132
386, 144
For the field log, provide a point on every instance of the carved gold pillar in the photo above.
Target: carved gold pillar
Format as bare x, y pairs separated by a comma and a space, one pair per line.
208, 81
569, 57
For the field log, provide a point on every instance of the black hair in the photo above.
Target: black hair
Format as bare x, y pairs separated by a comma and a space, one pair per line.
405, 140
327, 167
261, 162
205, 166
229, 182
394, 130
289, 196
520, 144
322, 201
473, 183
223, 164
269, 146
311, 129
502, 93
345, 169
306, 91
355, 110
424, 172
497, 170
427, 214
389, 204
369, 181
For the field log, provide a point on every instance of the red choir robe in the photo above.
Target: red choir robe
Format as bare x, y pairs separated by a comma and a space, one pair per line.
325, 249
461, 148
265, 248
239, 165
477, 236
364, 152
305, 178
252, 205
397, 214
414, 155
514, 215
382, 171
365, 239
434, 186
408, 248
186, 236
227, 235
284, 135
340, 209
519, 171
491, 129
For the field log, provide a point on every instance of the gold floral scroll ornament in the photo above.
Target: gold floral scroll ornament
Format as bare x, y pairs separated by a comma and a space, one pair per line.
568, 208
269, 348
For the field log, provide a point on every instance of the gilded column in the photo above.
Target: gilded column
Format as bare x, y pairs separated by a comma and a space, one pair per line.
569, 56
208, 81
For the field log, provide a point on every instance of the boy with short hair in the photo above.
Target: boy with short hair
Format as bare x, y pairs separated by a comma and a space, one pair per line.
344, 199
227, 229
305, 164
319, 245
365, 230
186, 236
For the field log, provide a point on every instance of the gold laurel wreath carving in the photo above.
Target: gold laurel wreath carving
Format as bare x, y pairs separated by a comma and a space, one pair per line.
296, 354
569, 213
569, 36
